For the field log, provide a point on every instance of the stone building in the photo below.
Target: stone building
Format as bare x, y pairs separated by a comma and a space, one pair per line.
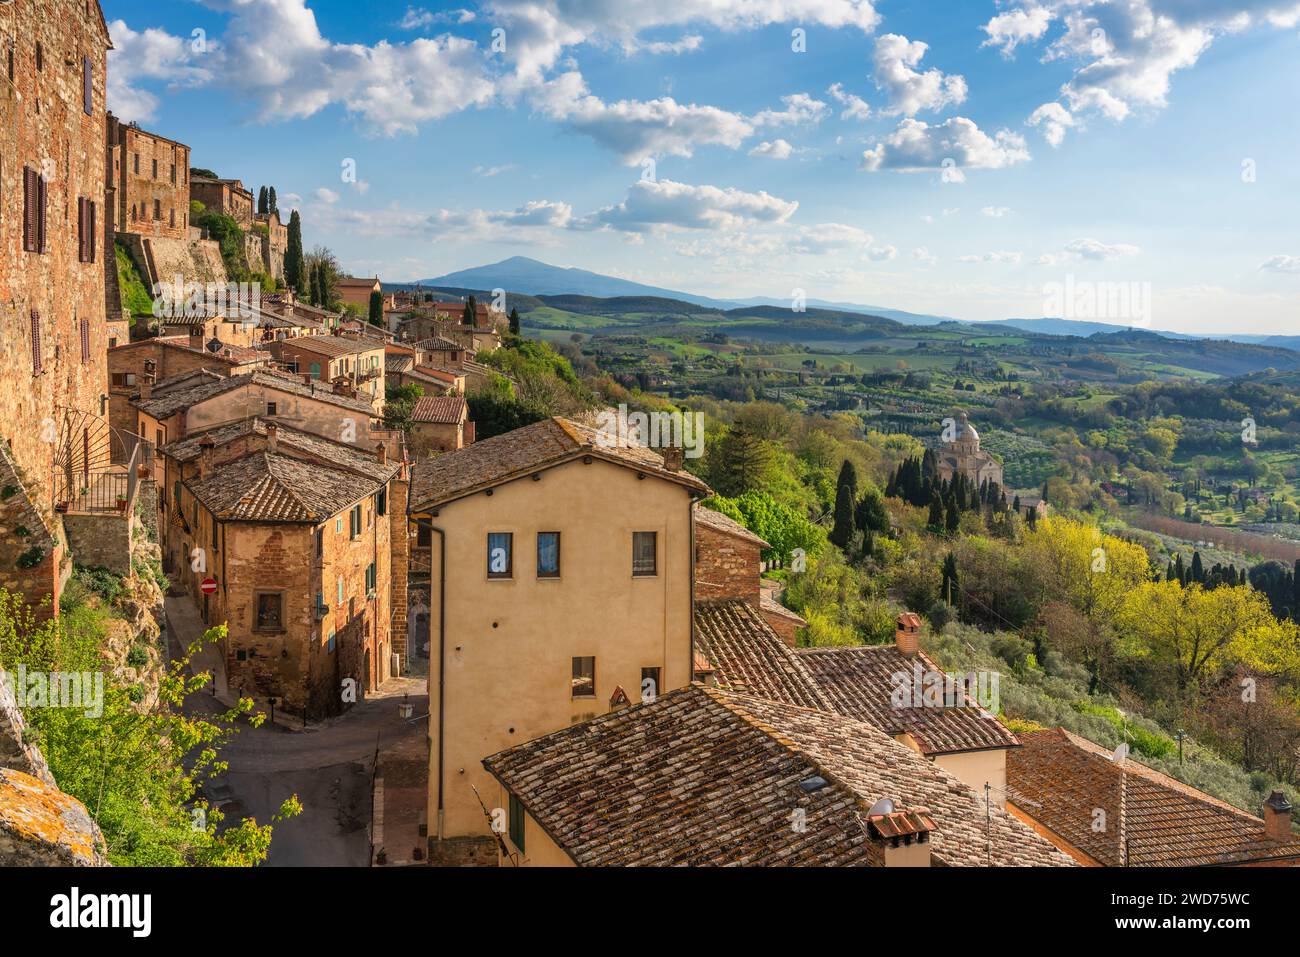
224, 196
728, 565
440, 424
273, 240
297, 532
357, 292
356, 360
53, 260
148, 182
963, 456
559, 573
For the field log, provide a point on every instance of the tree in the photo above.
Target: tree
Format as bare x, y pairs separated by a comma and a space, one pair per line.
842, 531
262, 206
295, 265
514, 321
740, 462
271, 205
870, 515
377, 308
951, 588
468, 316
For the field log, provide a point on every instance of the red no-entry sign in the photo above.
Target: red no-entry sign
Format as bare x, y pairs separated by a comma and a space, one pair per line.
209, 586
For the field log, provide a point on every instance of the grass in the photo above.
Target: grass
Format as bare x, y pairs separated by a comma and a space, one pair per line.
135, 298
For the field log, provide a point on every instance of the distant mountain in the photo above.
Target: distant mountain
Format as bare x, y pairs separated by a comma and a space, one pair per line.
521, 274
906, 318
1075, 327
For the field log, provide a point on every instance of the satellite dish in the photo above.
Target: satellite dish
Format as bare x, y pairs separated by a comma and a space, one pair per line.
883, 806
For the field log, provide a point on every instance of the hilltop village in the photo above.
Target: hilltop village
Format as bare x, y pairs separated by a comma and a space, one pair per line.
611, 680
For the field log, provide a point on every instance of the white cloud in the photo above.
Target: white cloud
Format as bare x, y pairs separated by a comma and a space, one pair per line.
1002, 256
539, 31
799, 108
881, 254
1008, 30
327, 195
829, 237
1285, 264
418, 18
150, 54
909, 91
995, 212
686, 44
923, 256
533, 223
489, 171
917, 146
636, 129
1088, 249
855, 107
776, 149
655, 206
1054, 119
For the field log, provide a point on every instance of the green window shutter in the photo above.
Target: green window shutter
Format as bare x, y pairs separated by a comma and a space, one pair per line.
517, 823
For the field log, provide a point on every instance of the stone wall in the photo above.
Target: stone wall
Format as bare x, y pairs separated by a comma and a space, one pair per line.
31, 550
400, 540
101, 540
726, 566
463, 852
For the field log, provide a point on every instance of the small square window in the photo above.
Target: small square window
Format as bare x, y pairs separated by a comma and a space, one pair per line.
500, 554
270, 408
650, 686
644, 547
329, 645
584, 677
517, 823
269, 611
548, 554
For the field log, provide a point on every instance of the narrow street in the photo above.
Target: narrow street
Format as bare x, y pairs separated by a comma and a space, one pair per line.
328, 765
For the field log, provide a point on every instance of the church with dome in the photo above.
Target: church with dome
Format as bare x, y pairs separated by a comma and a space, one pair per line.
962, 456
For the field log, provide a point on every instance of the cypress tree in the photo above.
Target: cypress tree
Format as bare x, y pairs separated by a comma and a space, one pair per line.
295, 265
471, 307
842, 531
262, 206
1198, 568
271, 205
951, 585
514, 321
952, 520
376, 309
935, 521
849, 476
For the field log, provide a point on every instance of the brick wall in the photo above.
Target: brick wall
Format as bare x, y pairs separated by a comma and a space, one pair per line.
43, 368
30, 549
726, 566
149, 182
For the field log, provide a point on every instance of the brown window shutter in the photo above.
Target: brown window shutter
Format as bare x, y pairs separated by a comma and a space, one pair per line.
29, 209
36, 342
87, 86
92, 232
85, 340
81, 228
40, 213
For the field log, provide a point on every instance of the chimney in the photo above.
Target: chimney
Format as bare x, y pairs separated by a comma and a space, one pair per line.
1277, 818
206, 448
382, 451
469, 431
196, 338
674, 457
903, 837
146, 387
907, 634
272, 437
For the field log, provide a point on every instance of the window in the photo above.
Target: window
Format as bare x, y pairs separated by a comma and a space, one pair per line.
329, 645
650, 686
269, 611
315, 370
270, 408
548, 554
173, 174
36, 343
40, 57
85, 340
33, 211
136, 160
157, 209
338, 525
381, 502
87, 86
372, 578
423, 536
340, 589
643, 553
320, 543
584, 677
500, 546
354, 525
85, 230
517, 823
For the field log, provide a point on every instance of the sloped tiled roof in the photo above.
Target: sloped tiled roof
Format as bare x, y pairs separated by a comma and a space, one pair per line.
271, 487
727, 525
770, 606
161, 407
705, 777
293, 441
331, 346
860, 682
747, 656
1060, 779
512, 454
440, 409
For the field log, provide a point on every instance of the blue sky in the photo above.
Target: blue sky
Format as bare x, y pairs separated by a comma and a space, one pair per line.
961, 158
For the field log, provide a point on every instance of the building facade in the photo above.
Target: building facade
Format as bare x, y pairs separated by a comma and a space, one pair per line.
224, 196
148, 182
53, 258
963, 456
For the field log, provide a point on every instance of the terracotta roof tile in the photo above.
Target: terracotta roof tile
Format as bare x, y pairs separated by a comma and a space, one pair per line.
1060, 780
727, 525
861, 681
749, 657
440, 409
164, 406
270, 487
503, 457
706, 777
